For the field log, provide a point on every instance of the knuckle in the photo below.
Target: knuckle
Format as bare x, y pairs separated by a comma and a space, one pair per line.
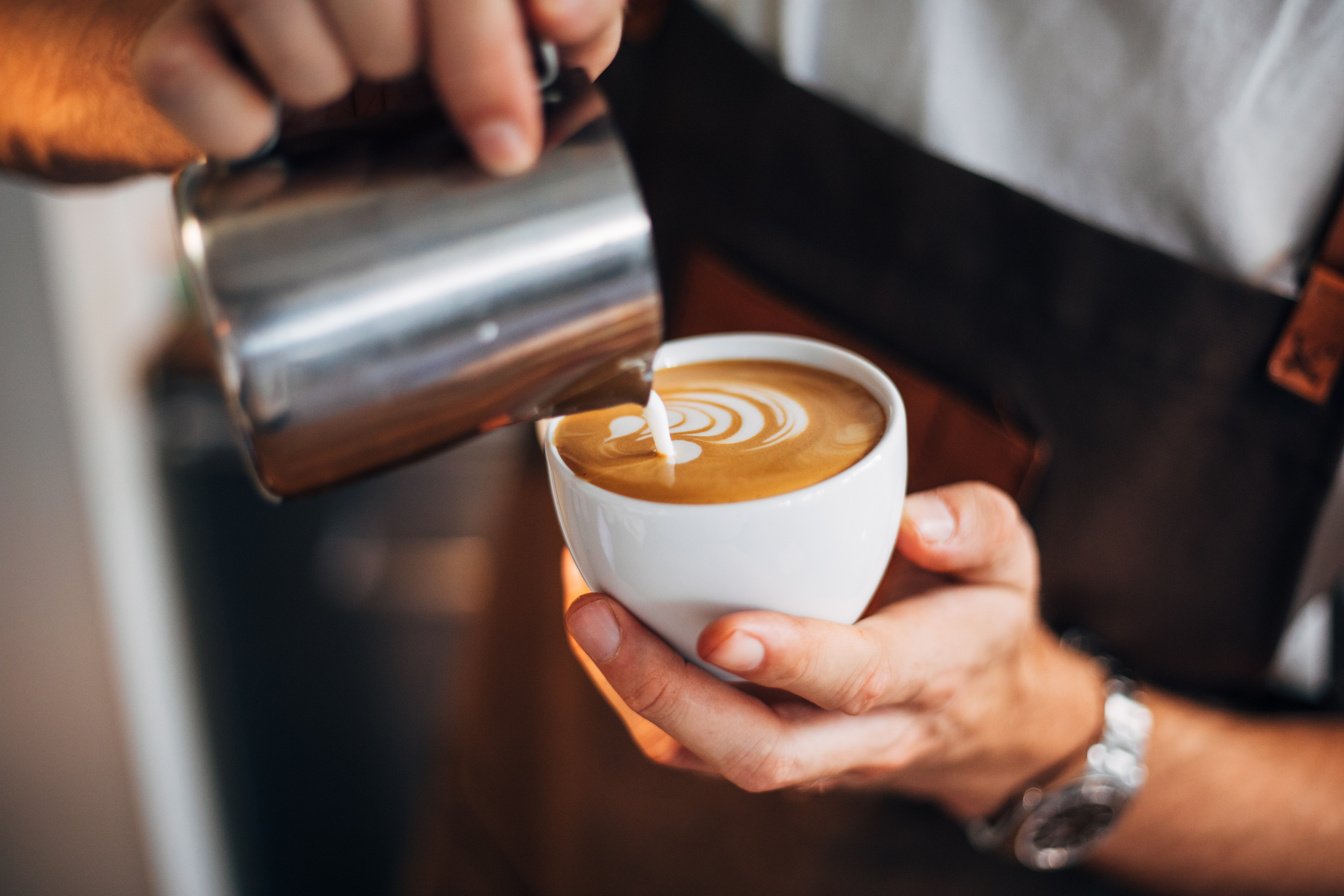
384, 54
792, 670
866, 688
483, 92
384, 65
790, 667
925, 740
993, 515
311, 98
653, 697
762, 773
303, 90
164, 66
999, 509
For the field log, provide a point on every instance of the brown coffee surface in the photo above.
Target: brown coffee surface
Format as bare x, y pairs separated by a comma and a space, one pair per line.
742, 430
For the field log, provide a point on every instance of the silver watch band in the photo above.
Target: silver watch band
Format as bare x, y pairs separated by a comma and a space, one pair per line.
1124, 736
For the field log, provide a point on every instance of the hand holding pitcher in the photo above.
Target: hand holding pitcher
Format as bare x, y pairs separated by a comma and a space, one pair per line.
309, 53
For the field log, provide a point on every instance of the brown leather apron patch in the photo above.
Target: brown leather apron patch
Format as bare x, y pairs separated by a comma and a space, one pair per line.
951, 438
1306, 359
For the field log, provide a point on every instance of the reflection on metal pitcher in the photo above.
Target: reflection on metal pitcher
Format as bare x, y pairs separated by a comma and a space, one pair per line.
374, 296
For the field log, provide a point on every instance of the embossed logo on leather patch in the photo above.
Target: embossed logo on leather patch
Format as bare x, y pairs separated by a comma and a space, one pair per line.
1307, 359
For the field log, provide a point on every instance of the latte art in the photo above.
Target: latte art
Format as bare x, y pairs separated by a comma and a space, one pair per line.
738, 430
754, 418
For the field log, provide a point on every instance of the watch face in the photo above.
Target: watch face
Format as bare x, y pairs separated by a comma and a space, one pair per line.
1066, 825
1073, 826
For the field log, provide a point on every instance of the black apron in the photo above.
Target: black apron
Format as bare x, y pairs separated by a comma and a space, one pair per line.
1173, 489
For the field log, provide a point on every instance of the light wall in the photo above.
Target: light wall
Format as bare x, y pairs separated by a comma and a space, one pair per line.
102, 775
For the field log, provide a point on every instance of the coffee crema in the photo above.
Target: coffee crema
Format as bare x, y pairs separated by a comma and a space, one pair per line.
741, 430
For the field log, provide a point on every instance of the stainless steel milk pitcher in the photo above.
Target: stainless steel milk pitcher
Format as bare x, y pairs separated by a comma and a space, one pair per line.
373, 296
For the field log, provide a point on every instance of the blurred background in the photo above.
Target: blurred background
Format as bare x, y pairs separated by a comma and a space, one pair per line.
200, 693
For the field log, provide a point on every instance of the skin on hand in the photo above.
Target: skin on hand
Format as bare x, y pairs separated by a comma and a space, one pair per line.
952, 691
309, 53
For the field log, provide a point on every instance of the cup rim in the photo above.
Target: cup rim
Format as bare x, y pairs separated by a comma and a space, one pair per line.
894, 406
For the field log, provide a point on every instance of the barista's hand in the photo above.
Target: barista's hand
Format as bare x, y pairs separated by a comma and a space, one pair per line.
311, 52
954, 691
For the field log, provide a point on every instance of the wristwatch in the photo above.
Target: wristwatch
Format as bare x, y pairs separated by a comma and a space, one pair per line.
1059, 828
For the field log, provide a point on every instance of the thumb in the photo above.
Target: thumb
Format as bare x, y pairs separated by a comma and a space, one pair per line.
971, 531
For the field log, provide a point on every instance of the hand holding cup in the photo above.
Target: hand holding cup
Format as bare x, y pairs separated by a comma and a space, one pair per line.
952, 691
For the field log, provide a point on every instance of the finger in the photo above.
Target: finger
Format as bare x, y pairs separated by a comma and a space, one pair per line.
731, 732
972, 531
481, 63
182, 69
660, 747
381, 39
652, 741
655, 743
827, 745
587, 32
834, 666
290, 45
914, 652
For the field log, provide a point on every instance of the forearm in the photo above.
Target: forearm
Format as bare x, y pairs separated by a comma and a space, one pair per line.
1234, 804
70, 110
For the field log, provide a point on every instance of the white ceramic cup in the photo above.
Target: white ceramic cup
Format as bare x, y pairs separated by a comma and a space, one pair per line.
818, 552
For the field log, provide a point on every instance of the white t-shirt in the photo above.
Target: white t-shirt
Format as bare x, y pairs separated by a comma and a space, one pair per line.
1213, 131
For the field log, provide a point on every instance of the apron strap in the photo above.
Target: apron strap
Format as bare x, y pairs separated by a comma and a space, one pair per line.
1307, 358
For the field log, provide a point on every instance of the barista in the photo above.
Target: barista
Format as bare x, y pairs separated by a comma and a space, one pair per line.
960, 693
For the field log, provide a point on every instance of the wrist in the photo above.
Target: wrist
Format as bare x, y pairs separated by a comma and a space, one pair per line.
1049, 828
1061, 695
1032, 729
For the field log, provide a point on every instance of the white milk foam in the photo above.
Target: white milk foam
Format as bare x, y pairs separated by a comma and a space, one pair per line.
723, 416
655, 416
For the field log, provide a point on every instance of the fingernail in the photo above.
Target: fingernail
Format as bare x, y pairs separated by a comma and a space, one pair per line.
738, 653
501, 148
932, 518
595, 627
